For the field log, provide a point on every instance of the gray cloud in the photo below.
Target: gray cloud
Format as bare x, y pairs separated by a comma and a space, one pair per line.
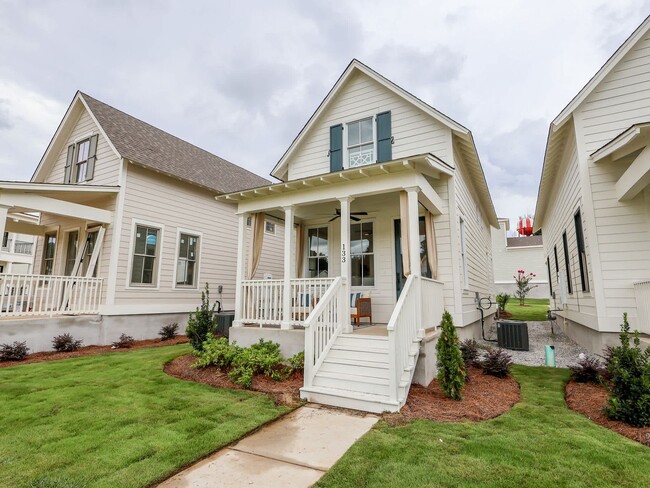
5, 117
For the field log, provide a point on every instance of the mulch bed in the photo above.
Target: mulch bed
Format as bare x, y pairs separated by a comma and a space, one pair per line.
484, 397
590, 400
40, 357
285, 392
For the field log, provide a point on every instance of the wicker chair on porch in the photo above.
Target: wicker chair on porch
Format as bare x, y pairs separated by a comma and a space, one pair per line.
360, 307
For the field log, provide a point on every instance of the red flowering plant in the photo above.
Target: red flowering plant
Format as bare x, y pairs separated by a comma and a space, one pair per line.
522, 280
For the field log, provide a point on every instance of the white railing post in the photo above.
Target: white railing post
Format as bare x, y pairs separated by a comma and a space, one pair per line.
345, 261
239, 278
289, 261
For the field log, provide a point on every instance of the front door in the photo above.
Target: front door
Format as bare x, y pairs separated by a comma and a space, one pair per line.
400, 279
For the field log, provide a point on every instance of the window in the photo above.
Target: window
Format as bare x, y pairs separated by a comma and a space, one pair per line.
362, 254
317, 257
91, 240
81, 163
5, 240
557, 263
49, 250
566, 263
361, 148
582, 253
550, 277
145, 252
463, 253
249, 221
71, 252
269, 227
188, 247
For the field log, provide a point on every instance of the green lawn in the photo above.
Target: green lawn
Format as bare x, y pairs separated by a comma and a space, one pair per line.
538, 443
114, 420
535, 309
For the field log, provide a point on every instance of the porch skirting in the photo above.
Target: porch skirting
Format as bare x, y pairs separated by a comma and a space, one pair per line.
292, 341
100, 330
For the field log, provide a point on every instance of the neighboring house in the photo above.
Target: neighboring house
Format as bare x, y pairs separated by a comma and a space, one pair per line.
510, 254
17, 250
129, 228
593, 200
387, 218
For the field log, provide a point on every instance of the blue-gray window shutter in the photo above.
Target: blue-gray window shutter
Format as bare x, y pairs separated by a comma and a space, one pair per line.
336, 147
67, 176
384, 138
92, 157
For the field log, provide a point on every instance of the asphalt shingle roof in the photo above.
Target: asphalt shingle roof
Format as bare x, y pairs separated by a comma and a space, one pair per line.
158, 150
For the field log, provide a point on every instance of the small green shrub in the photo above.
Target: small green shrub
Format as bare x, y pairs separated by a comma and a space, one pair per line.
502, 300
13, 352
216, 352
451, 368
629, 369
65, 343
469, 349
124, 342
202, 321
497, 362
588, 370
168, 331
297, 361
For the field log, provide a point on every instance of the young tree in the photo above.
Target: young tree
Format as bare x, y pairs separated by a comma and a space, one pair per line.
522, 280
201, 322
451, 367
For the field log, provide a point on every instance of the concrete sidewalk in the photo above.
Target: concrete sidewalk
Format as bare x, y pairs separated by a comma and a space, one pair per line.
292, 452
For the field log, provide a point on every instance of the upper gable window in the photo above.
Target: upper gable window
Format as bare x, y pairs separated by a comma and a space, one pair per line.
80, 162
361, 147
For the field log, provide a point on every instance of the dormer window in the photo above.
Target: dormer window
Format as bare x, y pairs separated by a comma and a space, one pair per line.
361, 147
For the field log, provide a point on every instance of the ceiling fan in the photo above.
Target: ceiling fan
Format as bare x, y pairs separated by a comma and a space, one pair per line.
352, 215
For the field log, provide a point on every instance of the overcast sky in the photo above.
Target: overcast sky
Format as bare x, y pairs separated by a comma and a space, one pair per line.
240, 79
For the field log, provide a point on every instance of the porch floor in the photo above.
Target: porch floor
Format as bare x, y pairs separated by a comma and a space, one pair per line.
371, 330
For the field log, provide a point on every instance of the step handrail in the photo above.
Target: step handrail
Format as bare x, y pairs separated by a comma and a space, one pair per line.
323, 325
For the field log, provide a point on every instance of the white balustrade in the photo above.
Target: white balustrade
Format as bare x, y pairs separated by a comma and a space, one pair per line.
33, 295
433, 304
262, 302
323, 326
642, 292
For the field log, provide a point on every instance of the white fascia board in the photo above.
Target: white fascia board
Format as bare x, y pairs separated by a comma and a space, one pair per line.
49, 205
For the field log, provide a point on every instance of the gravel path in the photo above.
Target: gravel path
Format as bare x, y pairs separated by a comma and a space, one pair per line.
539, 335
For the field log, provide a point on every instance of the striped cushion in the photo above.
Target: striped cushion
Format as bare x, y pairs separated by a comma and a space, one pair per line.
353, 298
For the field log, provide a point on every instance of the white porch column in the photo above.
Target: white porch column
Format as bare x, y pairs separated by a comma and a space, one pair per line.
3, 221
414, 251
241, 269
345, 260
289, 265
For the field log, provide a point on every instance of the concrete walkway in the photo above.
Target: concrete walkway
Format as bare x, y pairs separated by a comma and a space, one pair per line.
292, 452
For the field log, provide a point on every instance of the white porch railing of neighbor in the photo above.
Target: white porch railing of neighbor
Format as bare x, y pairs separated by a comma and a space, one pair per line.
642, 292
32, 295
23, 247
323, 326
404, 328
263, 300
433, 302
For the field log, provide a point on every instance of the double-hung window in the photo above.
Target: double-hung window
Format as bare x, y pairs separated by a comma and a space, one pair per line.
463, 253
565, 245
318, 253
81, 163
49, 251
186, 266
145, 255
269, 227
582, 252
71, 252
362, 255
361, 147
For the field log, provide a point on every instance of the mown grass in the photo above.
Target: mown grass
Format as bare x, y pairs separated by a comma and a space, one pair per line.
534, 310
538, 443
114, 420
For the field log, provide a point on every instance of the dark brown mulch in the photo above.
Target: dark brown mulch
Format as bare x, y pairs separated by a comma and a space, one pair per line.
590, 400
484, 397
505, 315
39, 357
285, 392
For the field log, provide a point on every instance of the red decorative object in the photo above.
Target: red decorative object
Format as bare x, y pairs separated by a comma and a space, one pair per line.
525, 226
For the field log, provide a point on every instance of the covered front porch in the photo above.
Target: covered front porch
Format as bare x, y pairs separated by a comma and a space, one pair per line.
66, 278
350, 265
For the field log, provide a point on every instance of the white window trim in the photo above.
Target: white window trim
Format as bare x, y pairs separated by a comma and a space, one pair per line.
56, 231
90, 230
374, 253
305, 254
268, 233
66, 233
198, 260
134, 223
346, 155
75, 164
463, 253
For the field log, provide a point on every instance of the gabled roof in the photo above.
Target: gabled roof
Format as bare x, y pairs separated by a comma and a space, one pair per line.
150, 147
558, 132
357, 66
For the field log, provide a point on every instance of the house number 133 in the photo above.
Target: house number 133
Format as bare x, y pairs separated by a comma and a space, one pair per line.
343, 254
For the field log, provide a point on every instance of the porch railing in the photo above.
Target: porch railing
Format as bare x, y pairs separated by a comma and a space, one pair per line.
642, 293
25, 295
323, 326
23, 247
433, 302
262, 302
404, 327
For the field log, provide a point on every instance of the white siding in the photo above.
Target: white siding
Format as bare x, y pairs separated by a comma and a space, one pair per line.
107, 165
414, 131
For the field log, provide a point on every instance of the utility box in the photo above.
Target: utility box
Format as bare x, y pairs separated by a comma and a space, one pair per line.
224, 322
512, 334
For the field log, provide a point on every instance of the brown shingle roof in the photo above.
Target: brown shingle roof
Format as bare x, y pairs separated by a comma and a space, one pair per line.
153, 148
